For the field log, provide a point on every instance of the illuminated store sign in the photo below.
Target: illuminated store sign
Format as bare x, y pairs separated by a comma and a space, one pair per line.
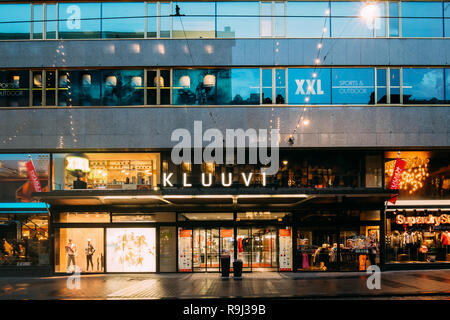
207, 180
77, 163
430, 219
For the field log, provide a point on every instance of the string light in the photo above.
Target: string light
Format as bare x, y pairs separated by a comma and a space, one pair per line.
413, 175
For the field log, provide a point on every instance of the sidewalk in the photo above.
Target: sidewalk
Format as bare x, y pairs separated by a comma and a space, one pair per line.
211, 285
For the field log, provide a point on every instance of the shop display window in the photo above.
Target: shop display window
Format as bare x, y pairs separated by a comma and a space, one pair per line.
24, 240
418, 236
111, 171
131, 249
426, 174
15, 86
167, 249
316, 249
15, 185
360, 248
79, 249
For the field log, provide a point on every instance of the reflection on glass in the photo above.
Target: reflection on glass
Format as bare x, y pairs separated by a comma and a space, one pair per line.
447, 85
423, 85
266, 19
152, 20
264, 248
280, 86
167, 249
15, 185
122, 87
394, 85
14, 88
190, 87
79, 88
152, 87
353, 19
394, 19
381, 86
79, 249
244, 26
15, 21
238, 86
79, 20
312, 26
50, 21
164, 87
38, 21
198, 20
50, 88
266, 86
165, 19
422, 19
446, 19
37, 88
354, 85
119, 20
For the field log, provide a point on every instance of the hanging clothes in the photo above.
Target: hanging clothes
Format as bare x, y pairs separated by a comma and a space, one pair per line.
305, 261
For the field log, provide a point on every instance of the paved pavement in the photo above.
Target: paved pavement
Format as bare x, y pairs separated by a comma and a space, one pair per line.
428, 284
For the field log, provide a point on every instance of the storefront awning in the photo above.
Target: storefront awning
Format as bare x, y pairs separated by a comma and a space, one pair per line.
23, 207
226, 199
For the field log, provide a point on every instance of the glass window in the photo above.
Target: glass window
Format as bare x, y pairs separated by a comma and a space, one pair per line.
24, 240
447, 19
417, 236
267, 86
195, 86
447, 85
131, 249
307, 85
50, 88
167, 249
152, 20
152, 87
238, 19
266, 19
426, 174
79, 88
357, 19
359, 248
51, 21
119, 20
238, 86
260, 215
423, 85
280, 86
164, 87
82, 217
79, 20
204, 216
165, 19
279, 19
394, 19
123, 171
144, 217
79, 249
198, 22
353, 86
381, 85
122, 87
373, 170
316, 249
37, 88
422, 19
184, 250
394, 85
308, 19
14, 88
15, 21
38, 21
15, 185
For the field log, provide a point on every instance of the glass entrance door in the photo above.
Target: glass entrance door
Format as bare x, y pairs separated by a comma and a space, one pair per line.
264, 248
206, 249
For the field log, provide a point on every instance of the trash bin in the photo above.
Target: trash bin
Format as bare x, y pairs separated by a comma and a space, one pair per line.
237, 268
225, 263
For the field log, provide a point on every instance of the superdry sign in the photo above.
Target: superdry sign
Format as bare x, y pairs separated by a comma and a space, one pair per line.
430, 219
33, 176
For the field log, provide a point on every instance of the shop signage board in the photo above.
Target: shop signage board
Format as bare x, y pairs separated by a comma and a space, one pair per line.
185, 251
285, 250
430, 219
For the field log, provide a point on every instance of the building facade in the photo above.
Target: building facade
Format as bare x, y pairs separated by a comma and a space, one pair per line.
94, 92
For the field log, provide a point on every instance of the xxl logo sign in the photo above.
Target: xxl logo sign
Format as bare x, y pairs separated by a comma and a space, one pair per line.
313, 87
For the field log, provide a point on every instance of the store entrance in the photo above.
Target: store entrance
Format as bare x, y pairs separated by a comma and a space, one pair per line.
257, 248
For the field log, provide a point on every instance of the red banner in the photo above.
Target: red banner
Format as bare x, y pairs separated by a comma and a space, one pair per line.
396, 178
33, 176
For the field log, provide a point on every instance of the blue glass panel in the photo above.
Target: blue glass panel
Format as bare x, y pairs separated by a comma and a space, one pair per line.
307, 19
165, 19
426, 27
190, 87
15, 21
14, 88
79, 20
198, 22
312, 83
79, 88
38, 21
447, 85
381, 86
152, 20
423, 85
51, 21
238, 86
122, 87
393, 19
119, 20
353, 86
422, 9
447, 19
238, 19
